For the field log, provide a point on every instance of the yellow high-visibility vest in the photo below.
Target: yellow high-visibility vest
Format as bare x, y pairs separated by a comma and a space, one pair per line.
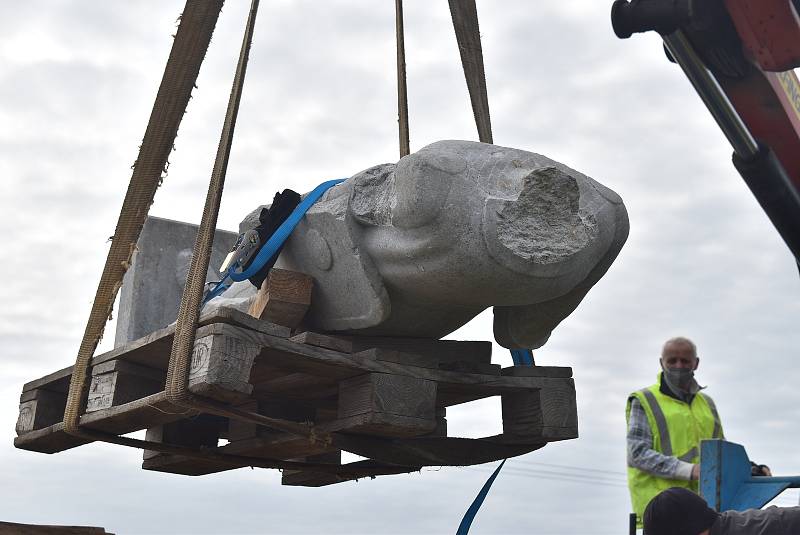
677, 428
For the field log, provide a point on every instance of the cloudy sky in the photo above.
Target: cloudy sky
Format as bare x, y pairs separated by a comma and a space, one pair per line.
77, 80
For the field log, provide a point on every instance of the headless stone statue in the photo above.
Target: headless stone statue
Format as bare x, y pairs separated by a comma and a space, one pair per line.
420, 247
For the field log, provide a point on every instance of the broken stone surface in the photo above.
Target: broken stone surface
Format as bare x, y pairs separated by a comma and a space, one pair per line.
420, 247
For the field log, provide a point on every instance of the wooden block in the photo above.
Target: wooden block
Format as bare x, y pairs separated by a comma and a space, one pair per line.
548, 413
284, 297
220, 367
39, 409
387, 404
116, 382
201, 431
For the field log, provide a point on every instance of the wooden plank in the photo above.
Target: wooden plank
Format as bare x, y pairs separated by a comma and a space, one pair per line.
284, 297
51, 439
462, 366
433, 451
441, 350
336, 343
146, 412
279, 446
231, 316
538, 371
12, 528
401, 357
309, 478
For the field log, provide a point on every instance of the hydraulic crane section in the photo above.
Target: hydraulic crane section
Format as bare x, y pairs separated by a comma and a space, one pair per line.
739, 56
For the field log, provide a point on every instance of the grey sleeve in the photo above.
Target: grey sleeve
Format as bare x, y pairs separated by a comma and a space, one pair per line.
641, 454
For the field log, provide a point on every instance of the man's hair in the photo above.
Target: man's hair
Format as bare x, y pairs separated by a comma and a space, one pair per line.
680, 340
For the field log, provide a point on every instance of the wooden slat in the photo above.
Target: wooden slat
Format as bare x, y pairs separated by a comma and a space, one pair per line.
308, 478
441, 350
12, 528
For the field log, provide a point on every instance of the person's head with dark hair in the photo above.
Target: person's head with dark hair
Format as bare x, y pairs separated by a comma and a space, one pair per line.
678, 511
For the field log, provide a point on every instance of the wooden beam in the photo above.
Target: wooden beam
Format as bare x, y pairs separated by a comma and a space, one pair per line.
387, 405
548, 413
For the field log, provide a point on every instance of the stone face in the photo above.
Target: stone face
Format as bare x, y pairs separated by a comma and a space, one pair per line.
420, 247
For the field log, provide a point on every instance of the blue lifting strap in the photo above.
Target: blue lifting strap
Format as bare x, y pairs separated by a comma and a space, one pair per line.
274, 242
469, 516
522, 357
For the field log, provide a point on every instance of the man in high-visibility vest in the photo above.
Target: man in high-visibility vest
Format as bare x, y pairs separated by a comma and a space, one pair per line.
666, 422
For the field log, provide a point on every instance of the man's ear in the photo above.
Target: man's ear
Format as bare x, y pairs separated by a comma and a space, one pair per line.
661, 361
696, 363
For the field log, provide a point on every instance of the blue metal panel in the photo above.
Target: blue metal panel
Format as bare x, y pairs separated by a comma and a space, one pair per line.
726, 483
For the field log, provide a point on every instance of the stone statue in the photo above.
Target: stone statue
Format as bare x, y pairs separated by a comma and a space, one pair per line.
420, 247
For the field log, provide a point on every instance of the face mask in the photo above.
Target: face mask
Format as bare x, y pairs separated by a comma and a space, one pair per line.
679, 377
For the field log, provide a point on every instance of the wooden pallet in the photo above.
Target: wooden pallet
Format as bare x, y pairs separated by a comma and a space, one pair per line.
381, 398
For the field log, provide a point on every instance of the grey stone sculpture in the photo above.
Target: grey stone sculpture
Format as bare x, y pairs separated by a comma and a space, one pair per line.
420, 247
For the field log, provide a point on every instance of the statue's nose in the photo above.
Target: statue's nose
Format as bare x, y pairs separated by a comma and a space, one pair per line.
543, 226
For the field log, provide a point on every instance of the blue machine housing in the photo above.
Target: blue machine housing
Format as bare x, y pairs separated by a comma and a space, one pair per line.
726, 483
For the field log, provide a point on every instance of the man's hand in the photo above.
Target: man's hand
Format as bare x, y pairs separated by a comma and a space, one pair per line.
695, 472
759, 469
